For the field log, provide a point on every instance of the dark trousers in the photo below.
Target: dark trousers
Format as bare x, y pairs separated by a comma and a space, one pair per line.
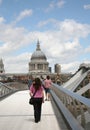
37, 109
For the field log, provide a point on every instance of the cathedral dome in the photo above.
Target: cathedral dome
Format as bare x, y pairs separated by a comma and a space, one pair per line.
38, 54
38, 65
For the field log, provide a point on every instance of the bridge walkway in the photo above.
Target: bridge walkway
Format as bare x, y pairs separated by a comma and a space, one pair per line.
17, 114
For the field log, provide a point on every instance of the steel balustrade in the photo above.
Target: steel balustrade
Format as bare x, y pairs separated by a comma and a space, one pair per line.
74, 105
5, 90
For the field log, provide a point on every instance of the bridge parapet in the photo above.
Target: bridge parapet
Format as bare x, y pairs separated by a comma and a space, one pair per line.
74, 107
5, 90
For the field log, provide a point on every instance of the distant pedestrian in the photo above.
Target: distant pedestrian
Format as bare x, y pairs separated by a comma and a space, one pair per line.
30, 81
47, 83
42, 80
37, 90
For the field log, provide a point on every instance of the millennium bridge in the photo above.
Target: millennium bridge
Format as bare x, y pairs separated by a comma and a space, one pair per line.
68, 109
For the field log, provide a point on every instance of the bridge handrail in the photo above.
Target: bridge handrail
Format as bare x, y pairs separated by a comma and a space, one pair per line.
2, 84
74, 95
71, 121
77, 105
5, 90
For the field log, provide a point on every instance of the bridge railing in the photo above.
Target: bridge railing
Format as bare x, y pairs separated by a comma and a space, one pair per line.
5, 90
74, 107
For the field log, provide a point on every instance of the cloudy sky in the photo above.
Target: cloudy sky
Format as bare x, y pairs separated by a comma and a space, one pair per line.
62, 27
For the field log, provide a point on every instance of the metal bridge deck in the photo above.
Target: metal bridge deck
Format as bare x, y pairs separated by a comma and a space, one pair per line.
17, 114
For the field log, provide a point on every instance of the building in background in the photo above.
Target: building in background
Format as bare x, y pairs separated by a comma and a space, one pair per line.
38, 64
57, 68
38, 67
1, 66
50, 69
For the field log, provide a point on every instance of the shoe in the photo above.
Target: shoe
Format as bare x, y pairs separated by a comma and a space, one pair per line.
45, 99
39, 120
36, 121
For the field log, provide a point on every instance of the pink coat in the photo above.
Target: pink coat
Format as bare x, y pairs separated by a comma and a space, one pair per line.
39, 93
47, 83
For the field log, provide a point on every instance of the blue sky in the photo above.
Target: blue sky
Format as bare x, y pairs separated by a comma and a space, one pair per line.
62, 27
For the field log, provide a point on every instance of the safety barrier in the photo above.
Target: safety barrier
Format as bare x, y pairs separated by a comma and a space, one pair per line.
74, 107
5, 90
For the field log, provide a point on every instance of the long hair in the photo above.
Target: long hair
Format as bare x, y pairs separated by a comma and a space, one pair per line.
37, 83
48, 77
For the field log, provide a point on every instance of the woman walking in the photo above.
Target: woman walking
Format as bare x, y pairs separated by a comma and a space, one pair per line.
47, 83
37, 90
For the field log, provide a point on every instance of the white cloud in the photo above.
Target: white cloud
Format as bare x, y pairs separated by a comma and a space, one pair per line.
44, 23
67, 67
74, 29
87, 50
53, 5
12, 39
2, 20
24, 14
17, 64
87, 6
60, 3
68, 28
60, 45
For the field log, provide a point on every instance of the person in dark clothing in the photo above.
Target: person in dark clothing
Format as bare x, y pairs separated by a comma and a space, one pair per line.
38, 91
